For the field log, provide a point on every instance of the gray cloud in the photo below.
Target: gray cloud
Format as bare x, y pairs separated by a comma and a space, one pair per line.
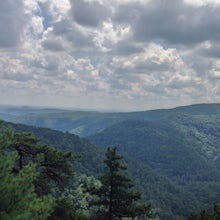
53, 45
212, 50
175, 22
126, 48
88, 13
12, 22
72, 33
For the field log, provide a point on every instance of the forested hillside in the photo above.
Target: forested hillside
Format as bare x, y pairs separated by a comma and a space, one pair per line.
174, 154
184, 148
169, 200
172, 149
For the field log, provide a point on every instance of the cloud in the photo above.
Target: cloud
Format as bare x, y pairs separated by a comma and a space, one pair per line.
126, 54
209, 49
173, 22
12, 23
55, 44
88, 13
199, 3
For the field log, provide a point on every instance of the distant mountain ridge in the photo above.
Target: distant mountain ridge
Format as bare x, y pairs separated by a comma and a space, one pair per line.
85, 123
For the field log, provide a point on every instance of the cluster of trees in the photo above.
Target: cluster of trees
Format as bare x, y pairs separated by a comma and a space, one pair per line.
39, 182
115, 199
18, 199
33, 177
36, 182
204, 215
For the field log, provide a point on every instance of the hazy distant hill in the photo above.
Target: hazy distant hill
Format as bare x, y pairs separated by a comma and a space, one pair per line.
9, 112
85, 123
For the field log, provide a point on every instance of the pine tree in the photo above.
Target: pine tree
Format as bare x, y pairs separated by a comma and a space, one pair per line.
55, 167
17, 197
115, 197
33, 170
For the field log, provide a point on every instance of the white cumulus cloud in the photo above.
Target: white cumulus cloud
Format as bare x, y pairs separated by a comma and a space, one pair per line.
129, 55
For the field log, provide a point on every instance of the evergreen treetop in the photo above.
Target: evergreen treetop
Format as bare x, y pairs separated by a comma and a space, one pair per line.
115, 198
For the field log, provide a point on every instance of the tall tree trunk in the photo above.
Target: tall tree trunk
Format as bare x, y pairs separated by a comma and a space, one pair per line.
110, 199
20, 159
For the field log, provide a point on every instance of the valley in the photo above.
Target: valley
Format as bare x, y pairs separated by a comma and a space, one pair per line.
172, 154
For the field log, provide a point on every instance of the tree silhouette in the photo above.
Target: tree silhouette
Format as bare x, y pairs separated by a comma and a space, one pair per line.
115, 198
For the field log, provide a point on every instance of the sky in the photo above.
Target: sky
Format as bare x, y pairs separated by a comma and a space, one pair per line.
109, 54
